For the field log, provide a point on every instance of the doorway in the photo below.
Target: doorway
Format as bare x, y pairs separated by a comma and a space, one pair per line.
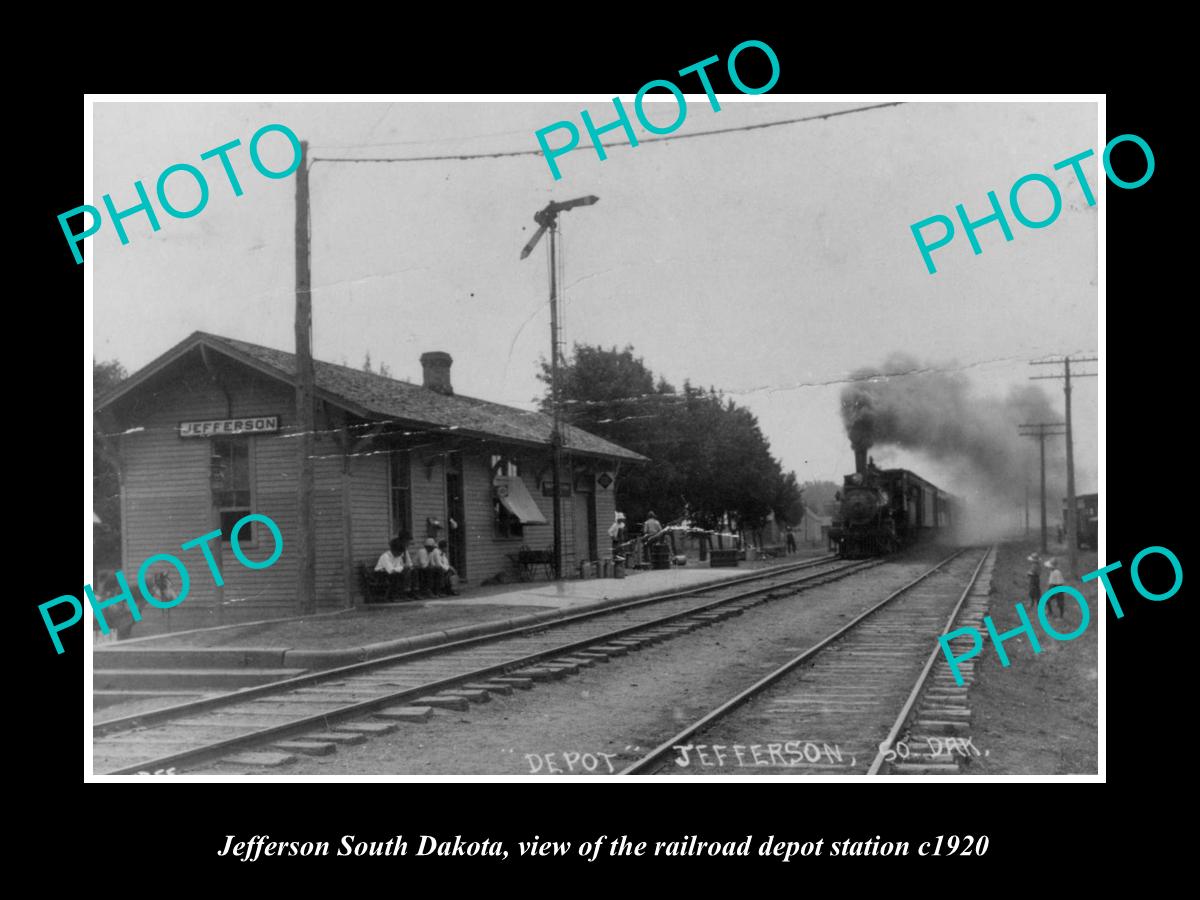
456, 533
585, 519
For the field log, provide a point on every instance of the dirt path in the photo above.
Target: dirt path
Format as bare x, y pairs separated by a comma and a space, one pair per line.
1039, 715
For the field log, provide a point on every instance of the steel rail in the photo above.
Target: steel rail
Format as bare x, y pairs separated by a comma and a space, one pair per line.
352, 710
653, 757
137, 720
906, 710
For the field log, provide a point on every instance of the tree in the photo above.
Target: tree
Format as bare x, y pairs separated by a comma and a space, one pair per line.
106, 479
384, 370
709, 460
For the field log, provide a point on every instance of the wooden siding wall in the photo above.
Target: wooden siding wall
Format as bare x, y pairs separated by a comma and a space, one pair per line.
167, 496
428, 480
370, 508
487, 553
167, 499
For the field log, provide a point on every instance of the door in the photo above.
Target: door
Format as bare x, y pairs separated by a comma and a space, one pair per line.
584, 509
456, 510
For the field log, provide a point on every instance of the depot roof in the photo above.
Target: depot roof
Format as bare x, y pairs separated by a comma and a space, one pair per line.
372, 396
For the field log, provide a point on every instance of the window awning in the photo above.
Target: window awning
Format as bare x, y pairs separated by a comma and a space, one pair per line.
516, 499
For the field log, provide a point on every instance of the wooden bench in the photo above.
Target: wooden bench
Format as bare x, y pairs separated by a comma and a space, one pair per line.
527, 562
375, 587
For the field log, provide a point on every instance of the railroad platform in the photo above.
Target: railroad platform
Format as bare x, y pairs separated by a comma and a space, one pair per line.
214, 660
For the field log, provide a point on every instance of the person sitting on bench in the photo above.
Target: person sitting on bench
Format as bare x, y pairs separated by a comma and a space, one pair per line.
423, 580
397, 565
441, 572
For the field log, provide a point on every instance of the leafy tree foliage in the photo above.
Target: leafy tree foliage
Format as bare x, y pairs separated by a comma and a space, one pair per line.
384, 370
708, 457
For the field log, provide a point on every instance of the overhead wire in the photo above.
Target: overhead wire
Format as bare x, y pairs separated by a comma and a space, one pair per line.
629, 143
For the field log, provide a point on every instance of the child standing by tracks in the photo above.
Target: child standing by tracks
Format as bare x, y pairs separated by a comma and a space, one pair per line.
1055, 579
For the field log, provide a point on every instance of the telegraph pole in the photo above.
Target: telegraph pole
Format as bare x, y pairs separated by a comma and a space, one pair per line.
1027, 509
556, 429
1041, 434
547, 220
1070, 525
307, 575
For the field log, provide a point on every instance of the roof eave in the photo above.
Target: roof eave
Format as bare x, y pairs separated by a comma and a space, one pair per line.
200, 338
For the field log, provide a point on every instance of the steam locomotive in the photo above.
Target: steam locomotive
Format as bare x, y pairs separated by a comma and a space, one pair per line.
883, 510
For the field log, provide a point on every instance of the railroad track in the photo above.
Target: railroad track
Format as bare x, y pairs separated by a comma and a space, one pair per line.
841, 706
314, 713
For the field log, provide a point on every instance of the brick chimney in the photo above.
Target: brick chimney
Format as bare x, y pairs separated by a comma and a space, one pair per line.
436, 366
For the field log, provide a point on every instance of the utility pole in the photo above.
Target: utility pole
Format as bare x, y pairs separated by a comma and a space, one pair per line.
556, 429
1026, 509
1041, 434
1070, 525
305, 417
547, 220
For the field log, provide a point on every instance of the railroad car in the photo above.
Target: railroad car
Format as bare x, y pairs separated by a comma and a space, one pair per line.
883, 510
1087, 519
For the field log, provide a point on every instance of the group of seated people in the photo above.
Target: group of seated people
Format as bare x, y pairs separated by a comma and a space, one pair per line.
418, 576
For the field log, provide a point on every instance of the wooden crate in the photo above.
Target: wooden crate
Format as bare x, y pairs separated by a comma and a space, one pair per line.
723, 558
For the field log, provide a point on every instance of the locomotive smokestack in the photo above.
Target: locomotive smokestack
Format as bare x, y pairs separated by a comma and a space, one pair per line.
860, 457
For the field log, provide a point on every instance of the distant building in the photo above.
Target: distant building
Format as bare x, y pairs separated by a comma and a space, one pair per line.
813, 528
206, 436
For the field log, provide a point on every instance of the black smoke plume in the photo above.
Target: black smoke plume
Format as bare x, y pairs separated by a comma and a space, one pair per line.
905, 404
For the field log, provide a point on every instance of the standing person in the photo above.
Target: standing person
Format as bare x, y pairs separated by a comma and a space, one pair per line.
1035, 579
616, 531
791, 541
651, 528
652, 531
1055, 579
443, 572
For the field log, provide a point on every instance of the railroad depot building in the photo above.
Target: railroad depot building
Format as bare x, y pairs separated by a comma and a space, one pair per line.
206, 434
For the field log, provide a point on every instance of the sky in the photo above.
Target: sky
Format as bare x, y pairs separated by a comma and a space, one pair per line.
769, 263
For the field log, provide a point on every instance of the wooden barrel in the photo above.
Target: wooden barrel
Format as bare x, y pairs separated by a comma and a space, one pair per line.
660, 555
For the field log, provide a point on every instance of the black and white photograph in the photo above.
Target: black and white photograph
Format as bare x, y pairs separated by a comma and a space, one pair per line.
676, 435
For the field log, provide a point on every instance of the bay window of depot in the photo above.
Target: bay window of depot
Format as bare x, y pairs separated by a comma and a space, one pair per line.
232, 485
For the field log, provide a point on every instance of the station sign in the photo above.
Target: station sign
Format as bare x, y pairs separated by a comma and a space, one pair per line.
214, 427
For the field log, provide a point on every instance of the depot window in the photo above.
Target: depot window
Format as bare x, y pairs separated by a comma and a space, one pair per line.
401, 490
506, 525
232, 487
